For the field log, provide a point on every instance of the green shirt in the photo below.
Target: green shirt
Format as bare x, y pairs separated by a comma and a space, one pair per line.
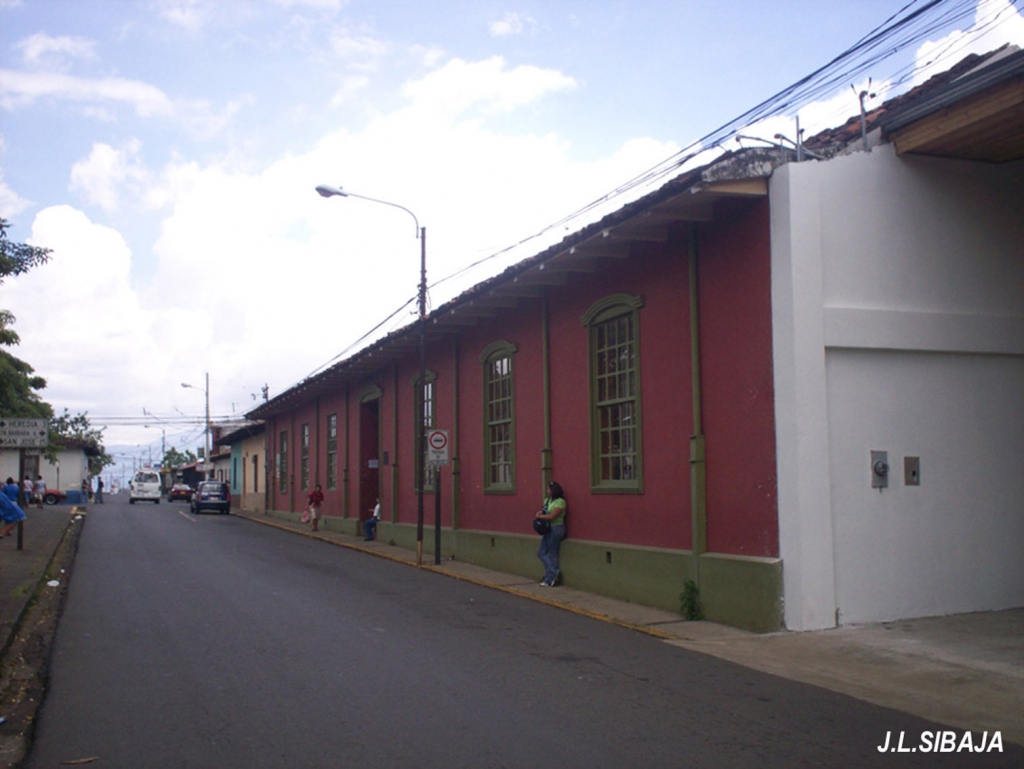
553, 505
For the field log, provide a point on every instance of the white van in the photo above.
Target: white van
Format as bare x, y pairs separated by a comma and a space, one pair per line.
145, 486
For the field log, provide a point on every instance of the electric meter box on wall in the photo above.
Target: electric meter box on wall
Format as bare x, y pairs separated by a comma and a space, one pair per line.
145, 486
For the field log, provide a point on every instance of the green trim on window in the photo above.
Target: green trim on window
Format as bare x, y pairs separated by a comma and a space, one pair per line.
428, 423
370, 393
616, 456
332, 451
282, 462
499, 419
610, 306
304, 458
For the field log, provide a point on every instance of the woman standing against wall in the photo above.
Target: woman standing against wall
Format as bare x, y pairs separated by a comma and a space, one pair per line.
553, 512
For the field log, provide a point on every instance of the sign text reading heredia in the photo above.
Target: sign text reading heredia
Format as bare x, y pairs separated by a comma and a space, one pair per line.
18, 433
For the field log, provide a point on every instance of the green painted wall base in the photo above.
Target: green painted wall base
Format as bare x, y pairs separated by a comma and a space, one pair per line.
735, 590
742, 591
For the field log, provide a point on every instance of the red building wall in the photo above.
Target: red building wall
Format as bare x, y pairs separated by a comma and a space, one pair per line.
735, 334
503, 512
738, 390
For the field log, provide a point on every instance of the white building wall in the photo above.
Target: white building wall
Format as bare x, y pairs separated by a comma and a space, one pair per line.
74, 466
921, 316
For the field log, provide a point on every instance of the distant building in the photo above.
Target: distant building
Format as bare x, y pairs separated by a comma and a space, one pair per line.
247, 471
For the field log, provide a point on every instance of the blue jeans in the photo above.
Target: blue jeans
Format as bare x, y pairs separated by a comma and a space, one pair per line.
370, 527
548, 551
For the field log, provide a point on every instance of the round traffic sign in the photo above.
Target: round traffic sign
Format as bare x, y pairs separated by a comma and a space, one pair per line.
438, 439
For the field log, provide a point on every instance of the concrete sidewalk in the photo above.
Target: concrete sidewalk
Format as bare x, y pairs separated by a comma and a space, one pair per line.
965, 671
21, 570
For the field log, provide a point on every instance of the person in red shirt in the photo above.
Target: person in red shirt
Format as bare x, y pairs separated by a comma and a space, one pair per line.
315, 500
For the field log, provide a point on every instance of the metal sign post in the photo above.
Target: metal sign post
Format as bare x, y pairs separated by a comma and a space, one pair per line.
437, 457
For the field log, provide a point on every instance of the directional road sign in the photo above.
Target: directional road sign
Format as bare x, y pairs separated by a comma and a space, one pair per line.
23, 433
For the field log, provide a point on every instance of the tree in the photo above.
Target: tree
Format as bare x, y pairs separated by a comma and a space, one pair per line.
19, 395
16, 258
174, 458
67, 431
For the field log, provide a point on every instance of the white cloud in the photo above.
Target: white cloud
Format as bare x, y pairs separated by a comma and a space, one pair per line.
98, 98
258, 279
81, 324
42, 49
18, 89
510, 24
190, 14
349, 88
107, 172
995, 22
11, 203
459, 85
321, 5
361, 52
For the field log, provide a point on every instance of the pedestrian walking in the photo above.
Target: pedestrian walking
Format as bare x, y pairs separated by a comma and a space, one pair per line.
553, 512
29, 490
370, 524
40, 489
11, 490
99, 491
314, 501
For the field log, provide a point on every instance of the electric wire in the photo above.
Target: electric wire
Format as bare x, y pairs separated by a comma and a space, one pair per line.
896, 33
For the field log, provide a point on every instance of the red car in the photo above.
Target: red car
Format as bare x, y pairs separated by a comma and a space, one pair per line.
180, 491
53, 496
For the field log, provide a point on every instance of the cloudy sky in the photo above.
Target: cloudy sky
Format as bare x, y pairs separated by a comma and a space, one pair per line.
168, 150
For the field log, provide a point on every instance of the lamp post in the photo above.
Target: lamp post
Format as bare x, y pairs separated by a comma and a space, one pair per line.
206, 457
327, 191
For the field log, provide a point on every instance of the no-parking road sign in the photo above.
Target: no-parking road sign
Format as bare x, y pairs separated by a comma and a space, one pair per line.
437, 447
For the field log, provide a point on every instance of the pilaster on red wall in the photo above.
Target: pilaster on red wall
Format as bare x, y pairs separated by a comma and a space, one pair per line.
737, 384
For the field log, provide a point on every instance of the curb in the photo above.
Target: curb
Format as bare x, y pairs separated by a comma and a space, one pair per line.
25, 661
34, 595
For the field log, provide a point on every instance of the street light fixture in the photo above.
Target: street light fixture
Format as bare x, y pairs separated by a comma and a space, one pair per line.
206, 458
327, 191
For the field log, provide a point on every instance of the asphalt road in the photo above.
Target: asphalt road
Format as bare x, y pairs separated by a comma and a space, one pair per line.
212, 641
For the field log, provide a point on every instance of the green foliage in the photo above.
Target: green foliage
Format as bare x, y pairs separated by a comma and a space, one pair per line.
690, 598
16, 258
18, 396
18, 386
67, 431
175, 458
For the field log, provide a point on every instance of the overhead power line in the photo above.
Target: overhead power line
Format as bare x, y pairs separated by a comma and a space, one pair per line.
910, 25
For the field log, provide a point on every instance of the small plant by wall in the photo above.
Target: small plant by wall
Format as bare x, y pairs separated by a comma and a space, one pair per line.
690, 601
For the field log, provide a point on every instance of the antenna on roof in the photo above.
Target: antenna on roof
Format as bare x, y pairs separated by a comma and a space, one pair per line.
865, 94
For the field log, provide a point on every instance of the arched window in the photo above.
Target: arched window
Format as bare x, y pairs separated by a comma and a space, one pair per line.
499, 418
615, 436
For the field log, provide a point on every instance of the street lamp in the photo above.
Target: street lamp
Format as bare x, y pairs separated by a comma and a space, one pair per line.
327, 191
206, 458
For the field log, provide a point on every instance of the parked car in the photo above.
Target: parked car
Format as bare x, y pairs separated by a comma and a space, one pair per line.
212, 495
145, 485
53, 496
180, 491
